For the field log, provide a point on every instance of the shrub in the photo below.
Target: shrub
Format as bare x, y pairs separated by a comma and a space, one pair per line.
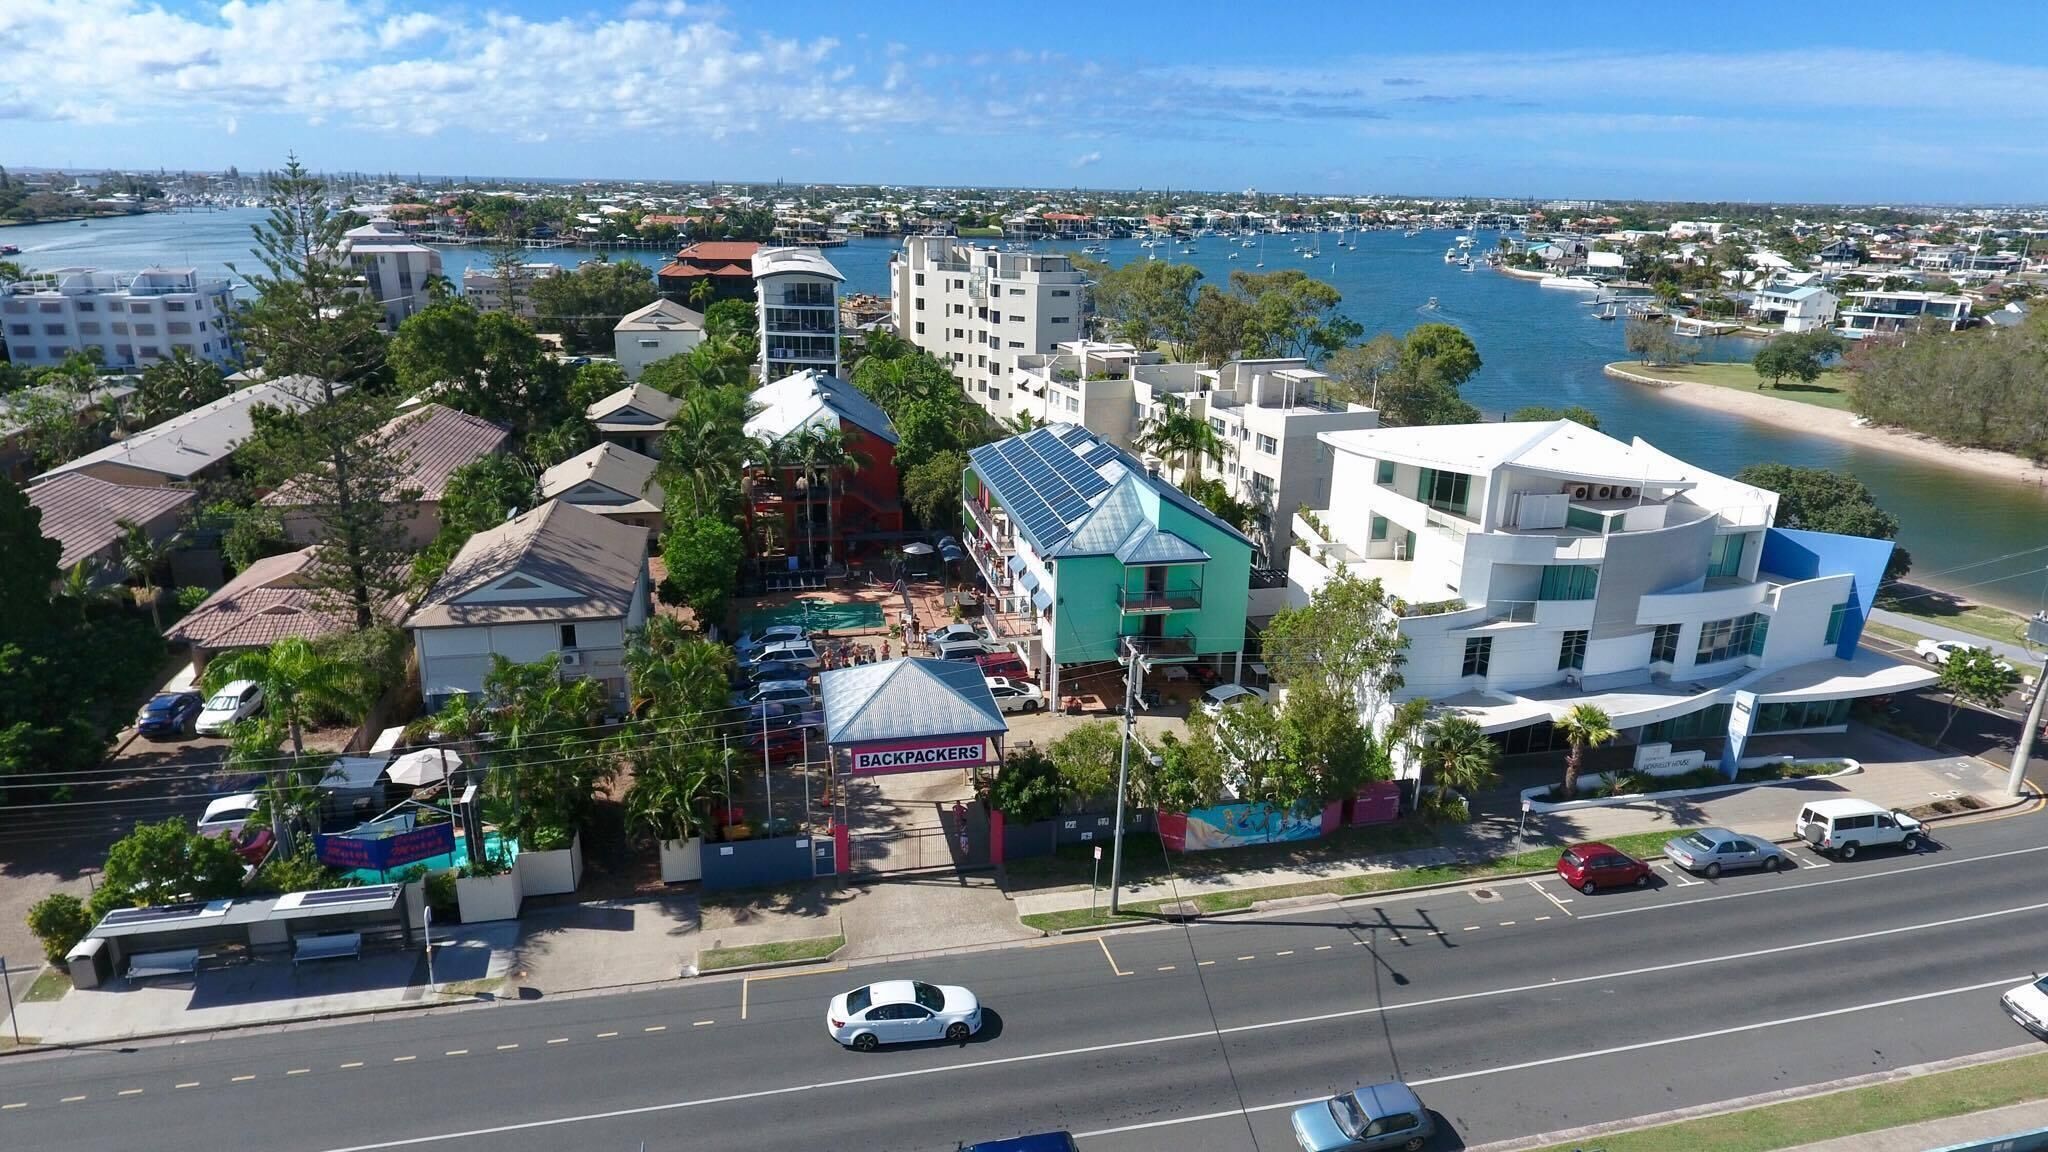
1449, 808
1027, 789
299, 873
441, 895
191, 596
60, 921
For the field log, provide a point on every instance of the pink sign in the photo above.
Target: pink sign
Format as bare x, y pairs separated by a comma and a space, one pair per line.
919, 756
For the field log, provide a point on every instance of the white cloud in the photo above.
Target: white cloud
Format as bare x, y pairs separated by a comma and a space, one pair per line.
1087, 158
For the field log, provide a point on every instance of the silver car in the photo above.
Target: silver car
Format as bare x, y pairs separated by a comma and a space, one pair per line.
1712, 851
1372, 1117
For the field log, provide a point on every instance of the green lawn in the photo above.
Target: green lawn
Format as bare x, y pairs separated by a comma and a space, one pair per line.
781, 951
1895, 635
1935, 1096
1830, 391
1963, 616
51, 984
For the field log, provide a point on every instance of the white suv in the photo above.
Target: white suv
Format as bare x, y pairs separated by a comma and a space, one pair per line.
1845, 827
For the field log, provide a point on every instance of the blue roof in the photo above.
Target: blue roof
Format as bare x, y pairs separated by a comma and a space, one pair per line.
907, 699
1149, 545
1075, 494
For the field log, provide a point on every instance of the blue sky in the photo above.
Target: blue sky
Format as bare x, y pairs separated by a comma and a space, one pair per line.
1872, 102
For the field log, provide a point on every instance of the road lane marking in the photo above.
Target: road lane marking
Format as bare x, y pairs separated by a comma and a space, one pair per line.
1166, 967
12, 1107
456, 1052
240, 1079
1204, 963
747, 983
1507, 923
403, 1059
606, 1035
1878, 875
559, 1040
1468, 928
1478, 1073
1113, 965
1812, 859
1678, 876
1289, 952
353, 1064
297, 1071
507, 1047
649, 1028
1324, 947
129, 1092
1553, 899
1254, 1027
187, 1084
71, 1100
693, 1024
1247, 957
1541, 919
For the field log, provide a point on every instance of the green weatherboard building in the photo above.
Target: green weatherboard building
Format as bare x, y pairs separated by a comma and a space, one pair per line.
1080, 546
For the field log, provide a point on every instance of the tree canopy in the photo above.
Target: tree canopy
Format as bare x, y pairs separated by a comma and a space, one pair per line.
1979, 388
1821, 500
1412, 380
586, 303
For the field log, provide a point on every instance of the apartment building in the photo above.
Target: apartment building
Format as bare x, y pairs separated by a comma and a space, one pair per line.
488, 291
981, 310
1542, 565
134, 321
1885, 313
797, 297
392, 267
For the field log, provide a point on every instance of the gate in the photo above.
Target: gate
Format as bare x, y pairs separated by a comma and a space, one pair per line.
923, 847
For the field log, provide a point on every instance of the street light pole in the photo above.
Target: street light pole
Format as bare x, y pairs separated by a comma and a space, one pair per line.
2017, 782
1123, 773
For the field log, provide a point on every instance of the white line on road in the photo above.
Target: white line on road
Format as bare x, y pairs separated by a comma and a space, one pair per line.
403, 1059
297, 1071
129, 1092
12, 1107
1812, 859
1878, 875
1678, 876
606, 1035
693, 1024
1468, 928
353, 1064
1324, 947
240, 1079
1541, 919
507, 1047
655, 1028
1289, 952
71, 1100
187, 1084
1263, 1026
559, 1040
456, 1052
1554, 900
1665, 1042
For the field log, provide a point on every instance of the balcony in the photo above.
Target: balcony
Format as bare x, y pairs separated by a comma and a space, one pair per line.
1156, 650
1149, 601
995, 533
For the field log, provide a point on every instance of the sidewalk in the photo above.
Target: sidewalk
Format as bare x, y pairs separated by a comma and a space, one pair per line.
2027, 662
1949, 1132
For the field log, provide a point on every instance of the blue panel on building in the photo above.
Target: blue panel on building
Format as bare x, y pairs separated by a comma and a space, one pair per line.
1802, 555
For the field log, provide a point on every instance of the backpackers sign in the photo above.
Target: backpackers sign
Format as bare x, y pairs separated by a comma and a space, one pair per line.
919, 756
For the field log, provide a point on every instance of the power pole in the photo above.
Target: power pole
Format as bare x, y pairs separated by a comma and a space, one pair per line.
1123, 772
2037, 633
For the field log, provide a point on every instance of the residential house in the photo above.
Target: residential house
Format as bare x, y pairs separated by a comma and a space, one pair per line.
825, 521
727, 266
1537, 566
1089, 557
634, 418
616, 483
1885, 313
982, 310
16, 454
132, 321
1802, 309
556, 583
82, 514
391, 268
432, 441
271, 599
799, 311
194, 445
658, 331
488, 291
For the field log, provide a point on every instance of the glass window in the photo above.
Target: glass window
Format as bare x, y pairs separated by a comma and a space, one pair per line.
1386, 472
1727, 639
1569, 582
1478, 654
1835, 616
1572, 652
1268, 445
1379, 527
1664, 644
1726, 559
1444, 491
1584, 520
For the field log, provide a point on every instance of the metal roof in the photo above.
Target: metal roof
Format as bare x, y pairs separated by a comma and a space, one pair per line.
1149, 545
187, 444
1075, 494
908, 699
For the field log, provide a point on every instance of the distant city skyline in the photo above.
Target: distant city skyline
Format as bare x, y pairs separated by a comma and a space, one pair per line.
1898, 105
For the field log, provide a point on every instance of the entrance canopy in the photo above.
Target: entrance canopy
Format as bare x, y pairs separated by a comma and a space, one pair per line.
911, 715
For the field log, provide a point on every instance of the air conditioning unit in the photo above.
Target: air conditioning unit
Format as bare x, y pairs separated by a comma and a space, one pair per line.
1604, 492
572, 659
1626, 491
1580, 491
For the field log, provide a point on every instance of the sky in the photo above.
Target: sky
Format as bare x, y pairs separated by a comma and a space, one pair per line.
1874, 102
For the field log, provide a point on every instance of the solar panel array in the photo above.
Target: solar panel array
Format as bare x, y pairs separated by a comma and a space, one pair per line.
1040, 479
374, 893
164, 914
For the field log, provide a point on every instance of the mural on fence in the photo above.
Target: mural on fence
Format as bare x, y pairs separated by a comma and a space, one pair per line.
1234, 825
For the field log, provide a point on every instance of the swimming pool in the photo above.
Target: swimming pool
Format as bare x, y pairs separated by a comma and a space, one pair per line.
816, 615
493, 846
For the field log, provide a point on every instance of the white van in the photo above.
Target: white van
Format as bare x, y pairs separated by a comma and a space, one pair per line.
1846, 826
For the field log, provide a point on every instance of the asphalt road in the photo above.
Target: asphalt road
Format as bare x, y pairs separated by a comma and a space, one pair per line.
1516, 1009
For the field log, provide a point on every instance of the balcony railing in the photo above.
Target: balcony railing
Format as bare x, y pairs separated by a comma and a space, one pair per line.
1001, 541
1144, 601
1163, 649
1511, 611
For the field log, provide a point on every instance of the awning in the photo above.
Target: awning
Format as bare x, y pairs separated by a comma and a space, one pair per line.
1016, 563
1042, 599
1029, 581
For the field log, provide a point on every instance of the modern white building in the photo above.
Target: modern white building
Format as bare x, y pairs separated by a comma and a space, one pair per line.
1805, 308
393, 267
658, 331
1884, 313
982, 310
486, 290
1541, 565
797, 296
134, 321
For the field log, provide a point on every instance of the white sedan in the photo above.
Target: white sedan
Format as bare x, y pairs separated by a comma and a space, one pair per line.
902, 1012
2028, 1006
1216, 699
1015, 695
236, 700
1938, 651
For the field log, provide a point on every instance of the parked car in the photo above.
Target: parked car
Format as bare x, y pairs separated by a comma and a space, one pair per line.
1003, 664
1593, 866
237, 700
785, 652
169, 715
776, 670
1375, 1116
1938, 651
902, 1012
751, 642
782, 743
228, 814
939, 637
1223, 695
2028, 1005
781, 692
963, 650
1038, 1142
1846, 826
1712, 851
1012, 696
251, 844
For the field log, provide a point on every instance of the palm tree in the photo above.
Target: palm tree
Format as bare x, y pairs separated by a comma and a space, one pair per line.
708, 445
1585, 726
673, 673
142, 556
298, 681
700, 293
1459, 757
1178, 435
88, 582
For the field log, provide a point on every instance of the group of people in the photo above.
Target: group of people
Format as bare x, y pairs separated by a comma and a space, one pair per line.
848, 653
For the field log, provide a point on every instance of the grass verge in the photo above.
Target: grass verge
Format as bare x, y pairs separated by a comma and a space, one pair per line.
51, 984
1935, 1096
1830, 391
780, 951
1895, 635
1976, 619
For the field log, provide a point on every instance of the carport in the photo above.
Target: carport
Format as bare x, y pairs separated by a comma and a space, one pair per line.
904, 716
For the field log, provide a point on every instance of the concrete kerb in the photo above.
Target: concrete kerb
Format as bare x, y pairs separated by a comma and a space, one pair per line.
696, 970
1545, 808
1575, 1136
339, 1016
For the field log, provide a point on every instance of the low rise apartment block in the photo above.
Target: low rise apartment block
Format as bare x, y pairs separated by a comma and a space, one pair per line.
982, 310
392, 267
489, 290
133, 321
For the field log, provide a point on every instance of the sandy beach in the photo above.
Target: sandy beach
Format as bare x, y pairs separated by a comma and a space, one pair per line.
1838, 425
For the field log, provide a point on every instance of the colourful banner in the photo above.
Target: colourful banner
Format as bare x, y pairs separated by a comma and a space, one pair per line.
394, 850
1235, 825
918, 756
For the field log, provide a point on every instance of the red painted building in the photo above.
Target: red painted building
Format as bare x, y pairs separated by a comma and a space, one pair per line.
835, 513
727, 264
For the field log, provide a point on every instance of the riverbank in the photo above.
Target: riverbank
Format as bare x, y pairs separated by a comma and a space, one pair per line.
1824, 420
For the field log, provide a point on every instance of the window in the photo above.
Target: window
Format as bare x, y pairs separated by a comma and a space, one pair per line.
145, 329
1569, 582
1060, 319
1016, 319
1444, 491
21, 329
1379, 527
1268, 445
149, 352
1705, 724
174, 305
1478, 654
1385, 474
568, 636
1835, 614
1726, 559
88, 327
1727, 639
139, 308
1016, 343
58, 329
918, 303
1584, 520
1572, 653
920, 324
918, 279
1664, 644
82, 306
120, 328
1061, 292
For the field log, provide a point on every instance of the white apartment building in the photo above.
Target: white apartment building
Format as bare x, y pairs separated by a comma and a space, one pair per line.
980, 310
1541, 565
1884, 313
393, 267
134, 321
656, 332
485, 289
797, 296
1267, 413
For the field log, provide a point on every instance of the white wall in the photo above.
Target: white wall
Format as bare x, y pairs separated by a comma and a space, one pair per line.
636, 350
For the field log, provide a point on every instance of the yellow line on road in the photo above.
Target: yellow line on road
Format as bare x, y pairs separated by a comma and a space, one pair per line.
1113, 966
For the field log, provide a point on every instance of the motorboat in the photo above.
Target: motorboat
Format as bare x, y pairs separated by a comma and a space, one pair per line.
1429, 305
1572, 283
1450, 255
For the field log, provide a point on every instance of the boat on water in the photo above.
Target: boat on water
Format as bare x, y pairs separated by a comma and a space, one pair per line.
1450, 255
1429, 305
1095, 249
1412, 232
10, 249
1572, 283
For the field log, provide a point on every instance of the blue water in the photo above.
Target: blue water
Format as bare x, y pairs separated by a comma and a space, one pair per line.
494, 845
1539, 347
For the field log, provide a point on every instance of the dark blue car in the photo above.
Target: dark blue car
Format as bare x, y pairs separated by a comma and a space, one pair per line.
169, 715
1043, 1142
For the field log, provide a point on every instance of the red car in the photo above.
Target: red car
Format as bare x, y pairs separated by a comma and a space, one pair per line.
1591, 867
1003, 664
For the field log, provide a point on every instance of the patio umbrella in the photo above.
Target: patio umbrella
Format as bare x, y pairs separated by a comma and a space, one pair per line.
424, 766
951, 553
918, 548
